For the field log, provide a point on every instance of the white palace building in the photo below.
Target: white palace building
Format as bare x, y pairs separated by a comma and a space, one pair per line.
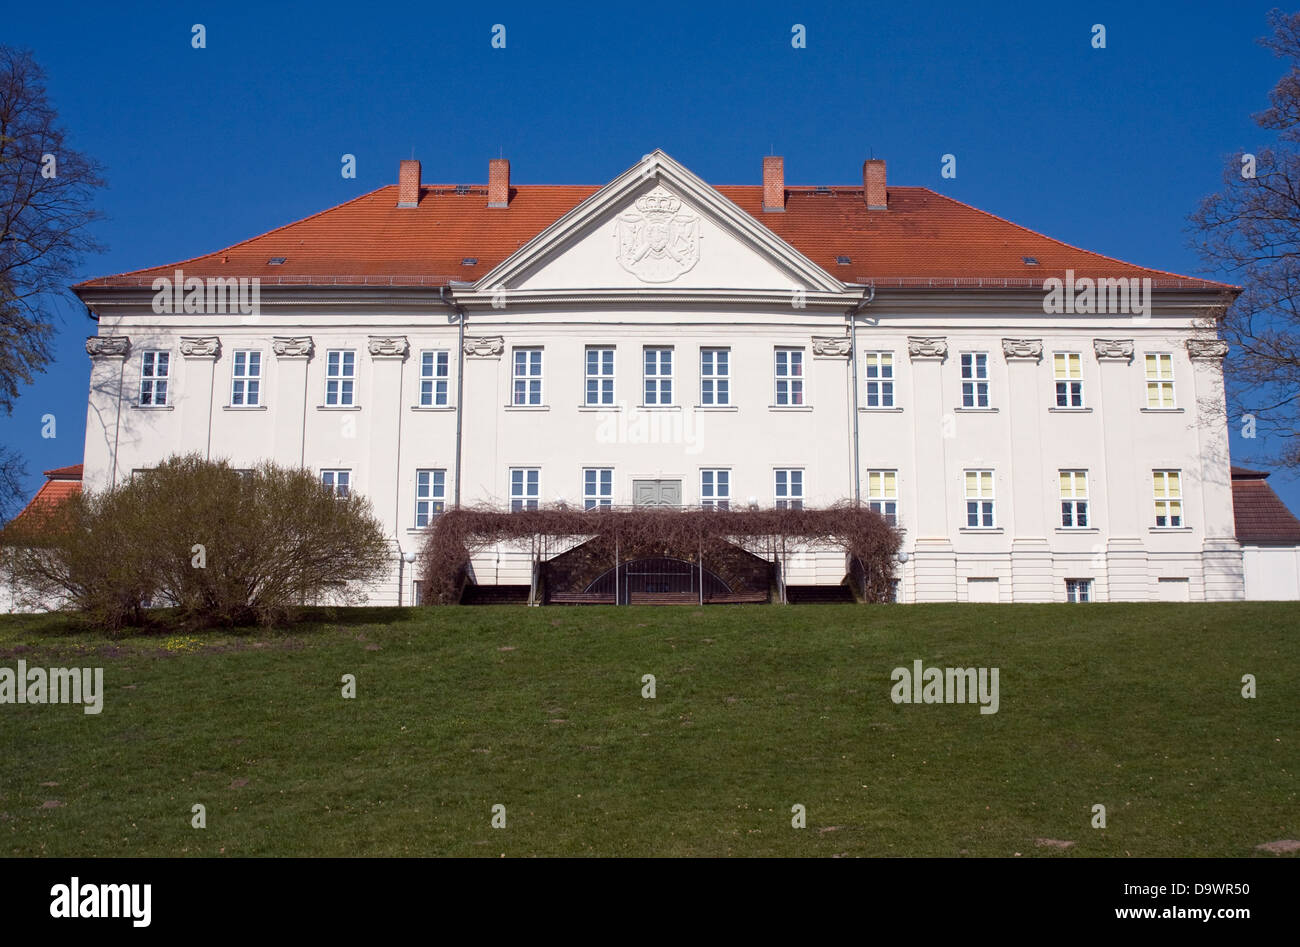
1042, 423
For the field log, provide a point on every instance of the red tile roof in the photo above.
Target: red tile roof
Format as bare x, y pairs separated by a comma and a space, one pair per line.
1262, 519
60, 483
924, 238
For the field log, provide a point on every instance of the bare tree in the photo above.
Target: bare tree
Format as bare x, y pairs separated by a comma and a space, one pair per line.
1250, 230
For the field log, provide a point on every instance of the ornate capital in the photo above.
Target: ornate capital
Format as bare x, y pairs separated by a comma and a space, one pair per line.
108, 346
1022, 349
1113, 350
1207, 348
292, 347
389, 346
485, 346
204, 347
830, 346
920, 347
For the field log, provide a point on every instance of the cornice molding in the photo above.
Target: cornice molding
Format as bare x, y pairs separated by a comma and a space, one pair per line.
1022, 349
485, 346
208, 346
834, 346
293, 346
1113, 350
927, 347
108, 346
389, 346
1207, 348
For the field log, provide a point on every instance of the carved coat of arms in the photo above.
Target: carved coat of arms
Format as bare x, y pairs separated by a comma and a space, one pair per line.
660, 242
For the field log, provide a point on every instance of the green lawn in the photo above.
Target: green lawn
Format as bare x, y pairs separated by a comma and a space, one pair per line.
1135, 707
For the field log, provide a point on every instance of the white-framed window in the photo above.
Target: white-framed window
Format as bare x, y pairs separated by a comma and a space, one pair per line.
979, 499
1168, 489
1160, 380
340, 377
658, 375
338, 482
525, 488
878, 369
882, 494
155, 369
715, 489
974, 379
600, 375
527, 373
715, 376
789, 489
430, 495
597, 487
1078, 590
435, 377
246, 378
789, 376
1067, 369
1074, 499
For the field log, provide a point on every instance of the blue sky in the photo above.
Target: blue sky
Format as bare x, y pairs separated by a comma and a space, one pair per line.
1105, 149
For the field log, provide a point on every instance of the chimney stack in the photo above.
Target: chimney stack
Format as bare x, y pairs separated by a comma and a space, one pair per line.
773, 183
499, 182
873, 181
408, 184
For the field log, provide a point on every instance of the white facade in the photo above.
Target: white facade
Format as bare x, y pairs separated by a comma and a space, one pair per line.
724, 283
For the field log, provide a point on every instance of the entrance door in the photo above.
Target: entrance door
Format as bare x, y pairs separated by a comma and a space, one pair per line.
657, 492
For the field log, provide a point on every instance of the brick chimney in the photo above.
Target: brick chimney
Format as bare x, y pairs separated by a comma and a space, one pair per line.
408, 184
873, 181
773, 183
499, 182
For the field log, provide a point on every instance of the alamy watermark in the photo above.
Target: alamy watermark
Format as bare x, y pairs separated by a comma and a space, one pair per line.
215, 295
1086, 296
923, 685
53, 686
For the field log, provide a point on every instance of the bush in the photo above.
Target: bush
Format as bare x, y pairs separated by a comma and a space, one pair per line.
220, 546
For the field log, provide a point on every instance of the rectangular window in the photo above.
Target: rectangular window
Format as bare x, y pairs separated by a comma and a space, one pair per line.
155, 368
430, 495
338, 482
597, 487
789, 489
1168, 497
789, 376
1074, 499
435, 368
974, 379
246, 379
882, 494
658, 376
979, 499
879, 371
340, 376
527, 377
525, 488
1078, 590
1067, 367
715, 489
600, 376
715, 376
1160, 380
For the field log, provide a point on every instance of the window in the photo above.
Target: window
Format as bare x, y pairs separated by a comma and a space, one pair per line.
154, 370
1168, 497
1068, 370
879, 369
974, 379
789, 489
715, 489
1078, 590
789, 376
1160, 380
600, 376
338, 482
597, 487
715, 376
430, 495
435, 367
525, 488
979, 499
340, 377
527, 377
1074, 499
246, 379
658, 376
882, 494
